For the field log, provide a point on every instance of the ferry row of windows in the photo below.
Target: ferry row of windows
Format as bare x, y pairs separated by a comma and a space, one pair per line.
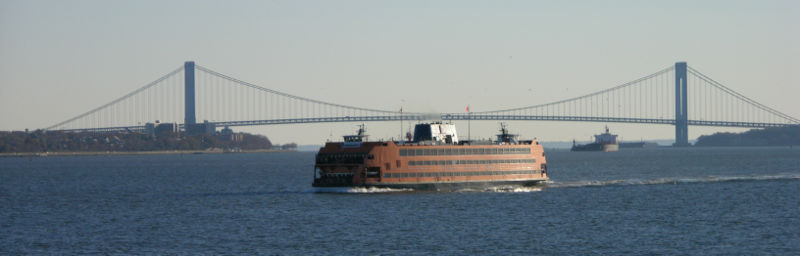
453, 162
347, 158
455, 174
462, 151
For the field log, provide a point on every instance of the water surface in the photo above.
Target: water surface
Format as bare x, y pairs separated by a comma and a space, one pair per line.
662, 201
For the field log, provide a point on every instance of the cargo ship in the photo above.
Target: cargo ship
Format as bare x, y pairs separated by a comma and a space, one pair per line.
433, 158
605, 142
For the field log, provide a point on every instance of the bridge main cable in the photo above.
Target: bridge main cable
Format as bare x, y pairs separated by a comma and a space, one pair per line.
151, 84
229, 78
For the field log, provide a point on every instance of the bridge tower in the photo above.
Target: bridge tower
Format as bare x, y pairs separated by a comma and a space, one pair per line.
681, 113
189, 113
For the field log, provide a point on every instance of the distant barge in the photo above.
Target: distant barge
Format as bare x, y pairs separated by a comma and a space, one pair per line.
605, 142
434, 160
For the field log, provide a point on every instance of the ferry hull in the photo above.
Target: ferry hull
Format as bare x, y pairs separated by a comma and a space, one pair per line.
443, 186
596, 147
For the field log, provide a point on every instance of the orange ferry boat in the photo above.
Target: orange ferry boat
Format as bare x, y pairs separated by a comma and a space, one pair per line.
434, 160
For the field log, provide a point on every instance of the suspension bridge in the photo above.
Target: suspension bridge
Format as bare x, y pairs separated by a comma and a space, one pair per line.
677, 95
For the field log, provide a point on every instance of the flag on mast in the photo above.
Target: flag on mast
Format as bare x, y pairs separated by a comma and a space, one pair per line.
401, 110
467, 108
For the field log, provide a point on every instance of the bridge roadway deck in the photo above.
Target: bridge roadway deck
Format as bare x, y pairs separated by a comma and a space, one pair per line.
449, 117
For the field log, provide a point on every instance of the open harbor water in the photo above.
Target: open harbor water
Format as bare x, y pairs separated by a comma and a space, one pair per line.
710, 201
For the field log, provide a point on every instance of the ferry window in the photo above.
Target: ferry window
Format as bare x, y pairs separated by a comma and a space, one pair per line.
387, 175
412, 175
440, 151
418, 152
434, 152
371, 156
426, 152
403, 152
441, 162
404, 175
410, 152
448, 151
460, 151
411, 163
427, 162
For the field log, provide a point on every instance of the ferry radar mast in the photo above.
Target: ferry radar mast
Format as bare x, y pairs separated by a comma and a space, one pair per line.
359, 137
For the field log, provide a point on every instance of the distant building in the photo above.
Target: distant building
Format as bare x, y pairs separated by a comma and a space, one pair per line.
227, 134
159, 129
204, 128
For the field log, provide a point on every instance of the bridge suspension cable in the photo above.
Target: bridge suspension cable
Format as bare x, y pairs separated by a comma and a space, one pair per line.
108, 112
227, 101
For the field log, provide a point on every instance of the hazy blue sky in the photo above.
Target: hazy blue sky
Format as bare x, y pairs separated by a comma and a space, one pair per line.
61, 58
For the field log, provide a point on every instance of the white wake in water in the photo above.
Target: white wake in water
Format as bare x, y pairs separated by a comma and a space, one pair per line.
360, 190
513, 189
624, 182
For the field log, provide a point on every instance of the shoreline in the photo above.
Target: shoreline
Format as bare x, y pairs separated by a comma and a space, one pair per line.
156, 152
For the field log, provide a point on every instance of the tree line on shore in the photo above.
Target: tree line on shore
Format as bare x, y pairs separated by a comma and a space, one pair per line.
42, 141
776, 136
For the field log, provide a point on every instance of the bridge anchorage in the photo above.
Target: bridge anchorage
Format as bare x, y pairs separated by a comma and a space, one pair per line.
221, 100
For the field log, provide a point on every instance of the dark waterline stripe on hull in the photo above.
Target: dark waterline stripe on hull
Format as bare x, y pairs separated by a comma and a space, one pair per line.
450, 186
